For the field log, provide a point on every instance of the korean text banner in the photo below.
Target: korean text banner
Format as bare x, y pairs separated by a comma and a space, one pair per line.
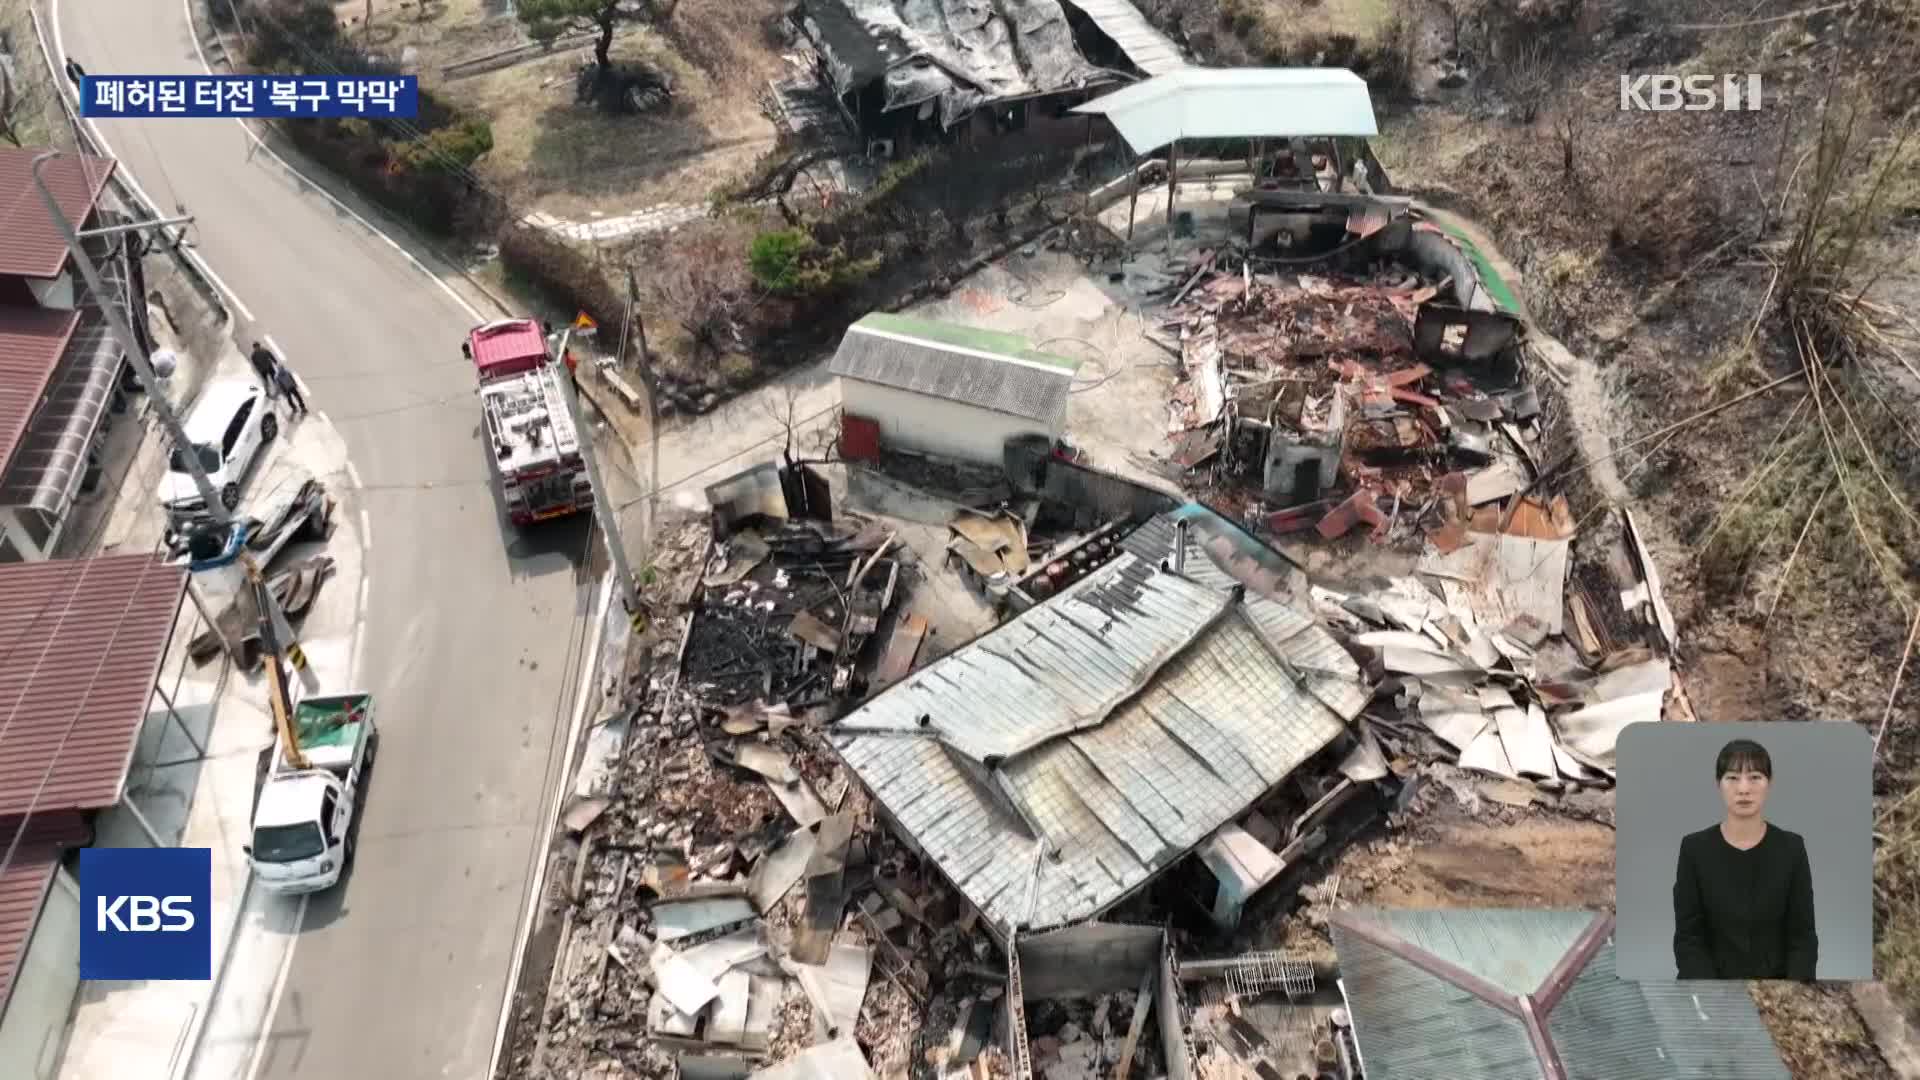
249, 95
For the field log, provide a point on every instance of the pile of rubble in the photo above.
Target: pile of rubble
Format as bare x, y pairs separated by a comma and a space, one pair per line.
732, 908
1485, 668
785, 613
1324, 400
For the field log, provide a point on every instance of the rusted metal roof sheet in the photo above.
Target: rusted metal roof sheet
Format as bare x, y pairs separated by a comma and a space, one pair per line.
23, 884
1056, 764
81, 642
30, 244
32, 341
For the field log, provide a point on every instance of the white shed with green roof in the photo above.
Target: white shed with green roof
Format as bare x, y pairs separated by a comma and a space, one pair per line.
953, 391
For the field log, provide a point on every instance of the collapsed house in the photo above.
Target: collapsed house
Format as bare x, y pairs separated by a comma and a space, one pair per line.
1055, 765
905, 76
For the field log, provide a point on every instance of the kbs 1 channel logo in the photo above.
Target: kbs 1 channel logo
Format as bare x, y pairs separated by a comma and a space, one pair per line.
146, 913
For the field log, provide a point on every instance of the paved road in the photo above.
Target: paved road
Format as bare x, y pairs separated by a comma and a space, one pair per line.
401, 974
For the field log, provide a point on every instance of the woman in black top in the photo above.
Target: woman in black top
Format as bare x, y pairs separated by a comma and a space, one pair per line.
1743, 893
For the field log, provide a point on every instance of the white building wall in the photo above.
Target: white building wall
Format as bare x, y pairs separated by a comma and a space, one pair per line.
35, 1023
934, 425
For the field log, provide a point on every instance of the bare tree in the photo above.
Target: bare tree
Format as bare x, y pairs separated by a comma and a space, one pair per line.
703, 279
1566, 129
1528, 78
816, 446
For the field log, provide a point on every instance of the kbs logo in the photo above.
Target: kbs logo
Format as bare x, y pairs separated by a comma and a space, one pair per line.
146, 913
1690, 93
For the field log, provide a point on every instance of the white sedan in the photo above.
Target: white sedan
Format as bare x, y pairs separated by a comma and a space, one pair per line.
228, 426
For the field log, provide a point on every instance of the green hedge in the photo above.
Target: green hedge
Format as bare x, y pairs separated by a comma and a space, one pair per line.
417, 171
570, 280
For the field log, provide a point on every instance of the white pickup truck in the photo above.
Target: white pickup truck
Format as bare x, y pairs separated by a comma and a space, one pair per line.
303, 821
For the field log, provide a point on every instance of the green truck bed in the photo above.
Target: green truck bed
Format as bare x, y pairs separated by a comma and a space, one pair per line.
331, 727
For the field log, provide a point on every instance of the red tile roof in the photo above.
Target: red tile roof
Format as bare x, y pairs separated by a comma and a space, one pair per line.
81, 642
24, 881
31, 343
30, 243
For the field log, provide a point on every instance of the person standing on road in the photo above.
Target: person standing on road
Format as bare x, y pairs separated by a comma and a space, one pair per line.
290, 386
266, 365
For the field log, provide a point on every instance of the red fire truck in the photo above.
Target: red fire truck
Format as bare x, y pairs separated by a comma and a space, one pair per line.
532, 444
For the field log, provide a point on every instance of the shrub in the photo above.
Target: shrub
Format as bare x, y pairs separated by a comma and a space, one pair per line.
414, 171
775, 257
792, 262
447, 151
565, 275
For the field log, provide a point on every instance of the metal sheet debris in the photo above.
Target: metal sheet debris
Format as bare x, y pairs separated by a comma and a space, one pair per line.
837, 988
676, 919
683, 986
1502, 578
779, 870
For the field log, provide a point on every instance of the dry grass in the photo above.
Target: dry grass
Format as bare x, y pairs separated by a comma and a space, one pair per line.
573, 161
1801, 504
1817, 1032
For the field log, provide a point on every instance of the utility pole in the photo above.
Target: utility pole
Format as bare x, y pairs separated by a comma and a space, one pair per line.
277, 636
653, 407
157, 395
603, 510
129, 344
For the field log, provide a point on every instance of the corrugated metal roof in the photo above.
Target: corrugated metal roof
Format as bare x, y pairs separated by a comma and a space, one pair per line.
1410, 1023
1609, 1027
1513, 949
57, 618
1149, 49
1237, 103
31, 343
1413, 1025
1123, 721
977, 367
30, 243
50, 458
24, 883
1220, 556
